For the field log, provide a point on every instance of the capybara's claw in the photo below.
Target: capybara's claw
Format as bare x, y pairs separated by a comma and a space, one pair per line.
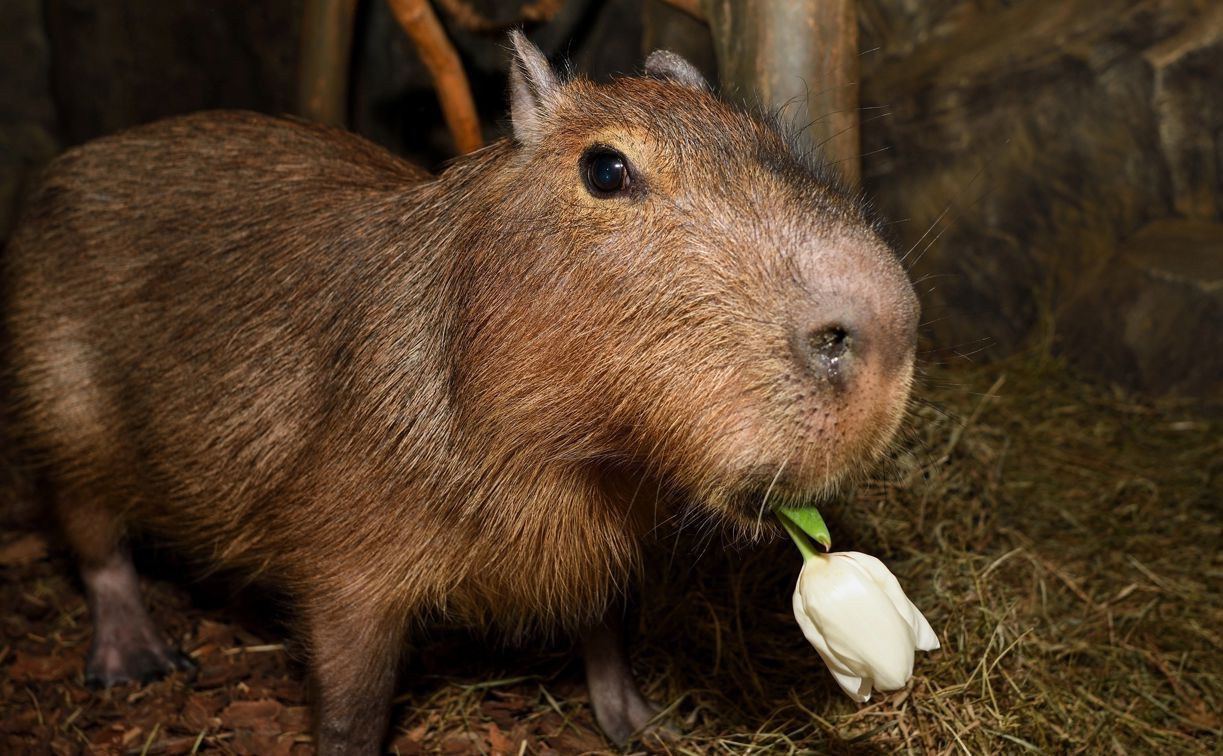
111, 665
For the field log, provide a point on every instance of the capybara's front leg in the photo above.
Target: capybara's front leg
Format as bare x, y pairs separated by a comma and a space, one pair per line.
355, 653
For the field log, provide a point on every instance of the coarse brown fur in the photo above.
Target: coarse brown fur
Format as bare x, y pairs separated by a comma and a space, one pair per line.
401, 396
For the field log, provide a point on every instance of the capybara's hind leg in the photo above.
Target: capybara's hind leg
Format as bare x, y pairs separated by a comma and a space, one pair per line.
126, 645
619, 707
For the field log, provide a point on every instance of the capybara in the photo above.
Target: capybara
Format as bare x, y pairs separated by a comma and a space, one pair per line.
401, 397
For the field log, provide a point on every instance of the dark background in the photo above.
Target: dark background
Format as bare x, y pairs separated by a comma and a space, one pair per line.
1058, 163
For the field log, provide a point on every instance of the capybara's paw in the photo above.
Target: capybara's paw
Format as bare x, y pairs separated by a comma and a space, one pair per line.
117, 663
630, 717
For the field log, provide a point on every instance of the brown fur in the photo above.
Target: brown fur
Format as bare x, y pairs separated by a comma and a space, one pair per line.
401, 396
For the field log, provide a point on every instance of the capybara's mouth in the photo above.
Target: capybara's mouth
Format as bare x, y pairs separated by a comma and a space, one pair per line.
752, 505
749, 502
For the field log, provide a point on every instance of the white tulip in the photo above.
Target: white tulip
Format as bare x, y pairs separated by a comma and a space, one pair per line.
855, 613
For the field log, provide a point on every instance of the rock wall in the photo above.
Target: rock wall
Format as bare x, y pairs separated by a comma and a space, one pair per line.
1024, 143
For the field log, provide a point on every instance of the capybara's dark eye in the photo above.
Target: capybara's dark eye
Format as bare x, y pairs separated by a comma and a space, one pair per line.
606, 172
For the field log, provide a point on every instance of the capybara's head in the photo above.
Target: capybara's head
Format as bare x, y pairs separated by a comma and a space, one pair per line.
659, 284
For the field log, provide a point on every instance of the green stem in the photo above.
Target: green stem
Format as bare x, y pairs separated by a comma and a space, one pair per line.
805, 546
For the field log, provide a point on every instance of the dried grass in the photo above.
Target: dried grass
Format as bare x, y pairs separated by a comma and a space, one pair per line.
1062, 539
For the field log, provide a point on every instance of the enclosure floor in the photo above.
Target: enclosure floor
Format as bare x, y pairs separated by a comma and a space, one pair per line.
1064, 542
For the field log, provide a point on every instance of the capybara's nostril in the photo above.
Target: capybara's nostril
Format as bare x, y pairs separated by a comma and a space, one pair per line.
828, 351
830, 343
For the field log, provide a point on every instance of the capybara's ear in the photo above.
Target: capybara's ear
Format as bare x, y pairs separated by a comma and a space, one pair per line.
533, 85
664, 64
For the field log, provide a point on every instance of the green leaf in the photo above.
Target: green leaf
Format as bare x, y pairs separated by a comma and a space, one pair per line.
805, 547
808, 520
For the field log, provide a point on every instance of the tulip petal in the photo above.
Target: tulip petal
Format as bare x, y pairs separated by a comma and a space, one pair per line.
926, 639
861, 633
854, 686
882, 577
857, 688
810, 631
853, 611
923, 634
815, 637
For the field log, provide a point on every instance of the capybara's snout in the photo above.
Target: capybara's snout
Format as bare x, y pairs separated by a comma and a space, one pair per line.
824, 364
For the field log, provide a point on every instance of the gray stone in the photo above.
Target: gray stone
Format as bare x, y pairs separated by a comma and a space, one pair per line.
1151, 318
1017, 144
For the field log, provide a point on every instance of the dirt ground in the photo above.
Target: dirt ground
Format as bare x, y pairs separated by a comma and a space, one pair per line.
1064, 541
